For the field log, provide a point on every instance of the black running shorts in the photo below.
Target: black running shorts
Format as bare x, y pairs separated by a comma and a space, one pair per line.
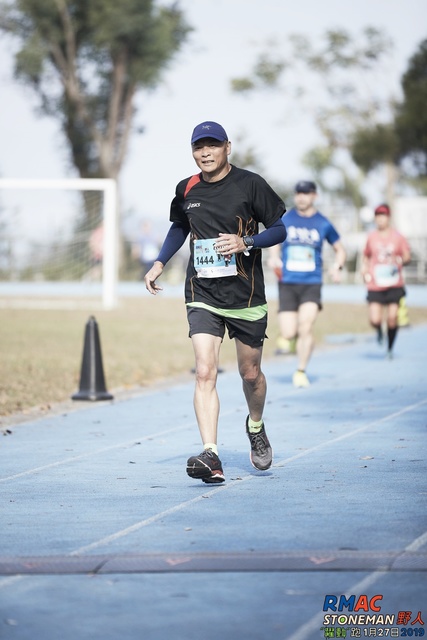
387, 296
250, 332
292, 296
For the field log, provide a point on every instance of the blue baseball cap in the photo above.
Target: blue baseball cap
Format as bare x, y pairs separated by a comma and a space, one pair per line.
209, 130
305, 186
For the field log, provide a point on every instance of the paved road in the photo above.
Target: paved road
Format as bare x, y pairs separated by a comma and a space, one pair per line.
104, 537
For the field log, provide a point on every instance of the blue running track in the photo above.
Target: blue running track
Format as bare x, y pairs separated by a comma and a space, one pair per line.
104, 537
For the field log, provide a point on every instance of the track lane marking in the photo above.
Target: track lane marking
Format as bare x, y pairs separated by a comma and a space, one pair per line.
82, 456
182, 505
124, 445
120, 445
306, 630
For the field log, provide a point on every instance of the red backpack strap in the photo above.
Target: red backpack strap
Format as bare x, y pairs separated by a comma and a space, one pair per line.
190, 184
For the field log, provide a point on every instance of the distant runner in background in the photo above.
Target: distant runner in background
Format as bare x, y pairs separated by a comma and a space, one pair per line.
298, 264
385, 253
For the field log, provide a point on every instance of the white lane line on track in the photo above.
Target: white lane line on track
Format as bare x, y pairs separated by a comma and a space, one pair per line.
350, 434
130, 443
120, 445
417, 544
305, 632
143, 523
179, 507
7, 582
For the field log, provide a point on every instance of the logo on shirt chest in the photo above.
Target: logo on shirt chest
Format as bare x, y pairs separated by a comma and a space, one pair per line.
303, 235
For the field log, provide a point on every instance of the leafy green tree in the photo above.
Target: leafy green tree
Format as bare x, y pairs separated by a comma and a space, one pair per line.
411, 116
335, 80
400, 144
321, 161
378, 146
86, 60
373, 146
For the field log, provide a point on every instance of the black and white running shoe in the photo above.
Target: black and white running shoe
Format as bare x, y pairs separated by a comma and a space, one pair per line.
206, 466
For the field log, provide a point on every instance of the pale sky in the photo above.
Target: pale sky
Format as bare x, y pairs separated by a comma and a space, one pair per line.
228, 35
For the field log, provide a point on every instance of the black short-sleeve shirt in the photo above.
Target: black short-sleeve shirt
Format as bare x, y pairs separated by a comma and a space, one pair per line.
236, 204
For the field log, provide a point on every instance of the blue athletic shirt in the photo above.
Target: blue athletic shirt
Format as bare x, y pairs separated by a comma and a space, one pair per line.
302, 249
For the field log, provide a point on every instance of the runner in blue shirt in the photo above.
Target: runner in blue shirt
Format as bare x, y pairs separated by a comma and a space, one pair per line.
298, 265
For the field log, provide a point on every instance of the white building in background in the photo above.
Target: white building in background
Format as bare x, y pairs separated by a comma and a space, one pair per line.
409, 216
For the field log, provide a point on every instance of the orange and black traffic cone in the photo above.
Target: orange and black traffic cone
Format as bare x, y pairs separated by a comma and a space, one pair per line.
92, 381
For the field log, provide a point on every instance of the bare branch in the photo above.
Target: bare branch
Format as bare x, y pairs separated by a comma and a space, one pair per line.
67, 66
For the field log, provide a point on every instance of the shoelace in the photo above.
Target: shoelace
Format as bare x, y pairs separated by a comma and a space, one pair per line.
207, 453
259, 442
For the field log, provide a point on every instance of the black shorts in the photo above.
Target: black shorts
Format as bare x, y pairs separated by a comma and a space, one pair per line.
387, 296
292, 296
250, 332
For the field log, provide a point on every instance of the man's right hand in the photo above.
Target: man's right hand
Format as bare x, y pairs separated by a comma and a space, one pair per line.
151, 277
275, 263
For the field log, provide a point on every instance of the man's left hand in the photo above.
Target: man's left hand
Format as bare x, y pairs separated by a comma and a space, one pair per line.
228, 243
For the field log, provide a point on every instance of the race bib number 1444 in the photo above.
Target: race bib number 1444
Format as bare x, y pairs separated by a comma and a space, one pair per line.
210, 264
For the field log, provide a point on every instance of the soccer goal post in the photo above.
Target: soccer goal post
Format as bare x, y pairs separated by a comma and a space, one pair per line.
49, 235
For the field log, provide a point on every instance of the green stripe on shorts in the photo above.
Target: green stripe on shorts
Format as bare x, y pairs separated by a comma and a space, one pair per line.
250, 313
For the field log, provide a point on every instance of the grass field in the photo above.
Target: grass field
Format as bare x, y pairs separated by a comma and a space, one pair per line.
143, 341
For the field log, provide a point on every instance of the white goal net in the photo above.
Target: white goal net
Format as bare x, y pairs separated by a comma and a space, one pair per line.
60, 231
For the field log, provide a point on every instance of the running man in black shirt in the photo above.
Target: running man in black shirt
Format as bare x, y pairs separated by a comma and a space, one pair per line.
221, 208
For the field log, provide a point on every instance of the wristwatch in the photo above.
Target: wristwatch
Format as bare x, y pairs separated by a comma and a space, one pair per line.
248, 241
